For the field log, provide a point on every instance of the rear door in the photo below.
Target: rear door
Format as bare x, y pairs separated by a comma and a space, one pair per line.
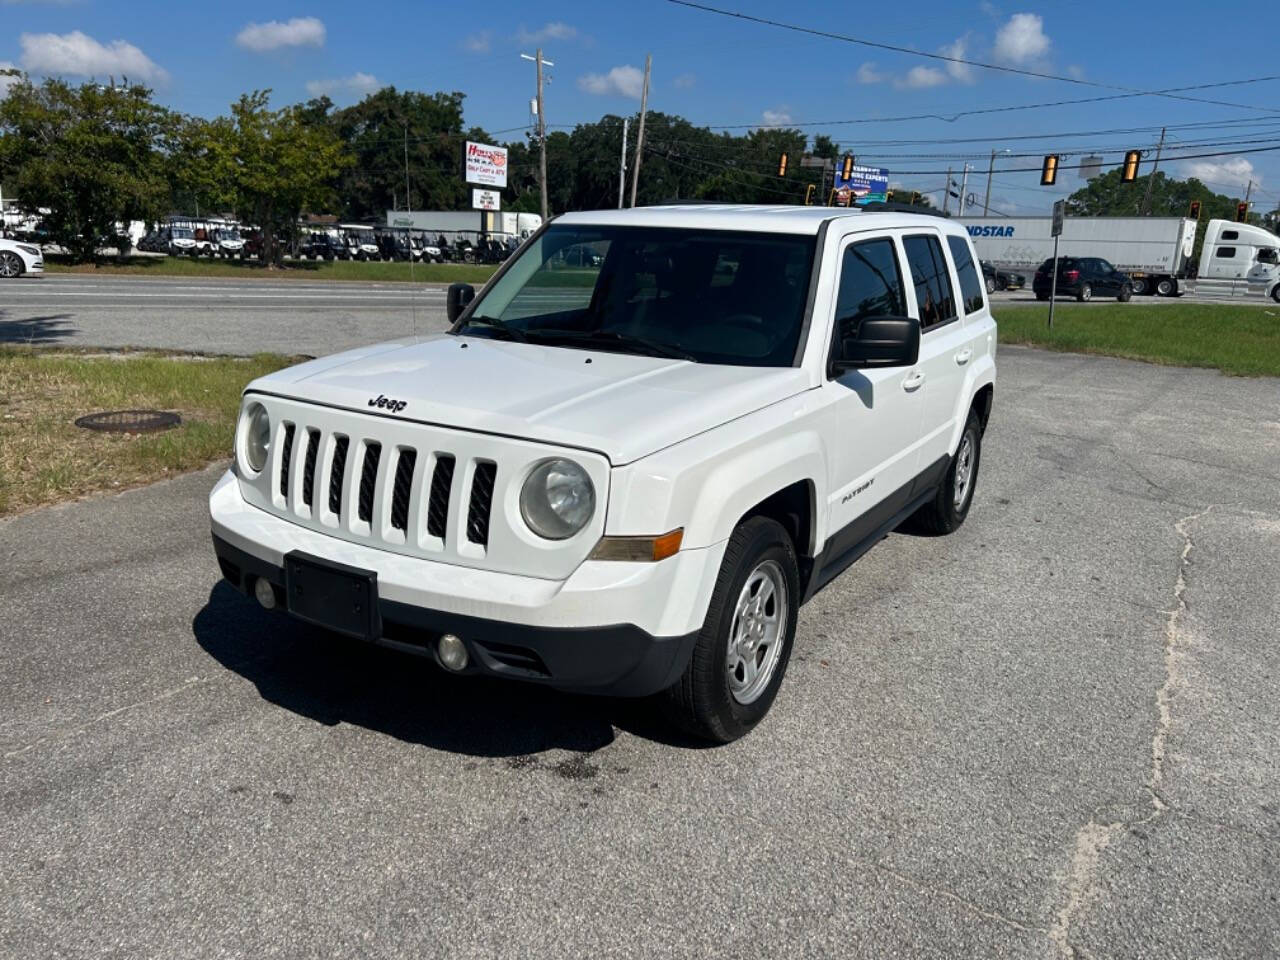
944, 348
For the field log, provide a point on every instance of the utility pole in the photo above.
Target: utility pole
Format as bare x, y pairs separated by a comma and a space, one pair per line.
622, 163
964, 186
1247, 191
1151, 178
991, 168
644, 108
946, 192
542, 131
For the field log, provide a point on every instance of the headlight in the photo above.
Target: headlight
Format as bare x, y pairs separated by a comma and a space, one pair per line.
557, 499
34, 251
257, 437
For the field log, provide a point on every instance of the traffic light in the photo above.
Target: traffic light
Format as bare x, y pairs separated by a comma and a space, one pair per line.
1049, 171
1242, 212
1129, 172
846, 171
1194, 211
782, 165
808, 194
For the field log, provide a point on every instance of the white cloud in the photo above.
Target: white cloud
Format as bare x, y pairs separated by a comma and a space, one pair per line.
685, 81
554, 30
990, 9
776, 118
1022, 39
1075, 71
478, 42
80, 55
624, 81
359, 84
960, 72
1234, 173
867, 73
298, 32
919, 78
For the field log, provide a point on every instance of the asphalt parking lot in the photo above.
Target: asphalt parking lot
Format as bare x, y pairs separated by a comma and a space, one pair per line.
1052, 734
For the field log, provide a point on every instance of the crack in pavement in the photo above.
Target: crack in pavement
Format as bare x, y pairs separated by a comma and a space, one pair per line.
1094, 837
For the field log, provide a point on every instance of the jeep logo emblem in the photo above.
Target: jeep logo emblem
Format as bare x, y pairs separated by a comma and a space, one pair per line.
391, 406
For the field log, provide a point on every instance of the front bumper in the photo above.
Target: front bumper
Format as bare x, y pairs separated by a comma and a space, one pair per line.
621, 629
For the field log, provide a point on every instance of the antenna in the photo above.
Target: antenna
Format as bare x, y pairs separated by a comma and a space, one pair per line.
408, 206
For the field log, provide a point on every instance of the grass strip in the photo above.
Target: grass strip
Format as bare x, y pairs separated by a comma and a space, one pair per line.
44, 458
372, 271
1243, 340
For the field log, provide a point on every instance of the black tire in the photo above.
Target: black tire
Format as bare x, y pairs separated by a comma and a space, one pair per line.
1085, 294
10, 265
701, 701
1140, 285
1275, 293
991, 285
1125, 294
1166, 287
942, 515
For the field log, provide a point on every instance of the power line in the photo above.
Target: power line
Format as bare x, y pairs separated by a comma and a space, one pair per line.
1002, 68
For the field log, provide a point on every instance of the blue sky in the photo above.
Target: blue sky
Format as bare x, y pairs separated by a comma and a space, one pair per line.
720, 71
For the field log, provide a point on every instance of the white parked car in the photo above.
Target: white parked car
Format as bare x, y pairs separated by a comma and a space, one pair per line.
18, 258
625, 478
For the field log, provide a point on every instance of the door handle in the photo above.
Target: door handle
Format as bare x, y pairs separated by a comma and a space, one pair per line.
913, 381
963, 356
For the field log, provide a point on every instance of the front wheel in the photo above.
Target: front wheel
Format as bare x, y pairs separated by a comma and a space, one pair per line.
1125, 294
10, 265
948, 509
991, 285
1139, 285
745, 644
1275, 293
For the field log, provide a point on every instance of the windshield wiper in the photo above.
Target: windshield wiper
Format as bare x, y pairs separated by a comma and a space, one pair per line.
513, 333
638, 344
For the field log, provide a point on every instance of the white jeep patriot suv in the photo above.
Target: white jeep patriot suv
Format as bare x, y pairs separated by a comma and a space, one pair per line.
649, 438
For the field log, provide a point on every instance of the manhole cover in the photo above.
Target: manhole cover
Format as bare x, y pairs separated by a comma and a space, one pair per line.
129, 421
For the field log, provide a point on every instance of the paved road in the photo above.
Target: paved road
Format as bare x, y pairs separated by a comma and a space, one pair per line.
214, 315
1054, 731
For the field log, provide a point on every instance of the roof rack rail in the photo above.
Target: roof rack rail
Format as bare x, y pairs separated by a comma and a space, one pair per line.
884, 206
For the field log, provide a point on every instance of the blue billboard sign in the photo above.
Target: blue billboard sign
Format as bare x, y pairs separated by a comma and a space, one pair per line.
865, 185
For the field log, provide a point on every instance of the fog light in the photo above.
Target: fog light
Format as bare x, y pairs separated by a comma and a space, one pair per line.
452, 651
265, 593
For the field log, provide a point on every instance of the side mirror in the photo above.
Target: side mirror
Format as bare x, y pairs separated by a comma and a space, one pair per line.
457, 299
875, 342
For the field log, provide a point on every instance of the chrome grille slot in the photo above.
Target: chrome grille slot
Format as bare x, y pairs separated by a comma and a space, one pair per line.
481, 502
368, 478
336, 474
438, 501
286, 453
401, 489
309, 466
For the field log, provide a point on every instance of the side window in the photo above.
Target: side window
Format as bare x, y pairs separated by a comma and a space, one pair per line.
1105, 267
870, 285
1230, 234
1225, 253
970, 285
929, 275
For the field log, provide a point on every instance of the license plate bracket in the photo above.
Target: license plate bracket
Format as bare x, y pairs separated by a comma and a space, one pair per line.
332, 595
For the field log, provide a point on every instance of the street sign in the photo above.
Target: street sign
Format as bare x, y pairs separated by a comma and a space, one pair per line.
1059, 213
486, 200
485, 165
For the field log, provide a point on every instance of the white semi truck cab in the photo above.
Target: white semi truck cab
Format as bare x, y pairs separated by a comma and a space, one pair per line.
1239, 253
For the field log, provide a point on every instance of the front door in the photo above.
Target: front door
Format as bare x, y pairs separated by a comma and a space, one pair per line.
873, 415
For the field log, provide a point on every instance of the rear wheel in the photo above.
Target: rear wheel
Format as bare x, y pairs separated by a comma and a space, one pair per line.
1166, 287
10, 265
1139, 285
991, 285
947, 510
745, 644
1085, 294
1275, 293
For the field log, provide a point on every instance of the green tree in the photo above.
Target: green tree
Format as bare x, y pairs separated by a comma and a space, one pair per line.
92, 155
268, 165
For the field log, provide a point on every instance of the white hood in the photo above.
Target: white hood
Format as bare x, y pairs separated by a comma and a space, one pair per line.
622, 405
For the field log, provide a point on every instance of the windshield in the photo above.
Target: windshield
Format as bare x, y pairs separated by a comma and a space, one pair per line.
182, 233
713, 296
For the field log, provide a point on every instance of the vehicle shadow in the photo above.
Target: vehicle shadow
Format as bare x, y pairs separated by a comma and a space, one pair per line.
331, 680
36, 331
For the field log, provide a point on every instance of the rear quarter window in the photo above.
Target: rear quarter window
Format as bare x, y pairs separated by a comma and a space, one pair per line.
971, 291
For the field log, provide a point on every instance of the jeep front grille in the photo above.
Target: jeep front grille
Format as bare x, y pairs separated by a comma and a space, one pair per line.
411, 488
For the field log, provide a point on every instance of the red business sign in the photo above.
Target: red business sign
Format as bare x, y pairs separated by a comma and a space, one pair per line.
485, 164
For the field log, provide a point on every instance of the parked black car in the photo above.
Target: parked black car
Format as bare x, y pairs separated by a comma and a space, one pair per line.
1001, 279
1082, 278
